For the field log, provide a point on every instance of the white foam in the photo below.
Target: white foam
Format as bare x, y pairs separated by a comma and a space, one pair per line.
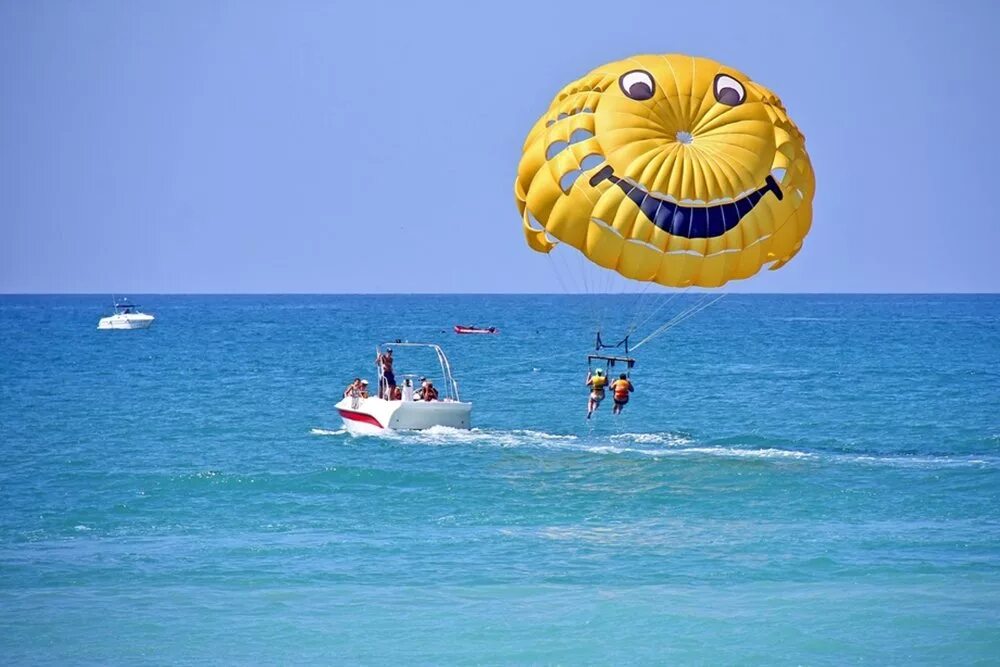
323, 431
544, 436
653, 445
653, 438
730, 452
444, 435
770, 453
922, 461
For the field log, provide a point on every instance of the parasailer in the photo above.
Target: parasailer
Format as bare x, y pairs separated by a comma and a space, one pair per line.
597, 381
620, 390
667, 169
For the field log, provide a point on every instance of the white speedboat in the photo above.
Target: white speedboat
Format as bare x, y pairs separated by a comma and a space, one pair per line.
410, 411
127, 316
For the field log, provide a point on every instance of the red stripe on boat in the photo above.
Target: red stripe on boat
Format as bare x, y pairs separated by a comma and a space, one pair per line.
359, 417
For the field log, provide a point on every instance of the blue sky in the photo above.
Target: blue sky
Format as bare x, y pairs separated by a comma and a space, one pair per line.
366, 147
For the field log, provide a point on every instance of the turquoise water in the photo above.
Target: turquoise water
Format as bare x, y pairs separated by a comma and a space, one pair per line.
798, 480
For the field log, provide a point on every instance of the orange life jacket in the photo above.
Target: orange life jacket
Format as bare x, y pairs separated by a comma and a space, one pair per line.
621, 388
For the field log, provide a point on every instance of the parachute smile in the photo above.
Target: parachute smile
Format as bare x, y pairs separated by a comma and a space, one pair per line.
691, 222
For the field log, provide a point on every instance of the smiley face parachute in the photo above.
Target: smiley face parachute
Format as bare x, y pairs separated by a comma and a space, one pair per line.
671, 169
667, 169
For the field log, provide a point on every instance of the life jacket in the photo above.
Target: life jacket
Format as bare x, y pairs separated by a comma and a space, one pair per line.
621, 387
598, 382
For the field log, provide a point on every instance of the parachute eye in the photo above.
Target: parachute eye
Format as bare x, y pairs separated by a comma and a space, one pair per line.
728, 90
637, 84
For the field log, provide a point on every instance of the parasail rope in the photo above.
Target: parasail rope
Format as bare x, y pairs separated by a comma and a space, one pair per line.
657, 307
690, 312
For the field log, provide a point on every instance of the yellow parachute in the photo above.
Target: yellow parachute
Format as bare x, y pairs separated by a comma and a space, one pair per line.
669, 169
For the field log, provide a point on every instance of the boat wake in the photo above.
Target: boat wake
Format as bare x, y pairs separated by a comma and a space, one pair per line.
323, 431
658, 446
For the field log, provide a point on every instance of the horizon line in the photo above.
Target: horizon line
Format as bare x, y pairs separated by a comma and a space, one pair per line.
425, 294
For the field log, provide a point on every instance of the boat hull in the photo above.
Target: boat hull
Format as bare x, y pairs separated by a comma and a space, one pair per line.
376, 414
473, 330
131, 321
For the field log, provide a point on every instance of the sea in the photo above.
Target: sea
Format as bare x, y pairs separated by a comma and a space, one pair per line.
798, 479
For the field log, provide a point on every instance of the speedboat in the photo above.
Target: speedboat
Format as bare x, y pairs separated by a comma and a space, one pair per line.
367, 414
127, 316
462, 329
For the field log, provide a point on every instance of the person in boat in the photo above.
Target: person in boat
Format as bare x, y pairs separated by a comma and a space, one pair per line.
364, 389
620, 389
354, 392
387, 385
418, 395
353, 388
429, 393
397, 394
597, 382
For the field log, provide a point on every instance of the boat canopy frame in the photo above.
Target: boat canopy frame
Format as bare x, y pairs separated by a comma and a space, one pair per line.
450, 385
122, 305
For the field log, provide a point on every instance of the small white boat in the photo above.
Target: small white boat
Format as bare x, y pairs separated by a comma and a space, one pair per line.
410, 412
127, 316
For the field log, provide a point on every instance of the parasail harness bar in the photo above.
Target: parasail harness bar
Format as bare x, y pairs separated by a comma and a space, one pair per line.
610, 361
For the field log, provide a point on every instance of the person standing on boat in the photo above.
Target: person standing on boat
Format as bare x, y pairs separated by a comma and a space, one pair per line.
597, 382
620, 389
387, 381
354, 391
355, 385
